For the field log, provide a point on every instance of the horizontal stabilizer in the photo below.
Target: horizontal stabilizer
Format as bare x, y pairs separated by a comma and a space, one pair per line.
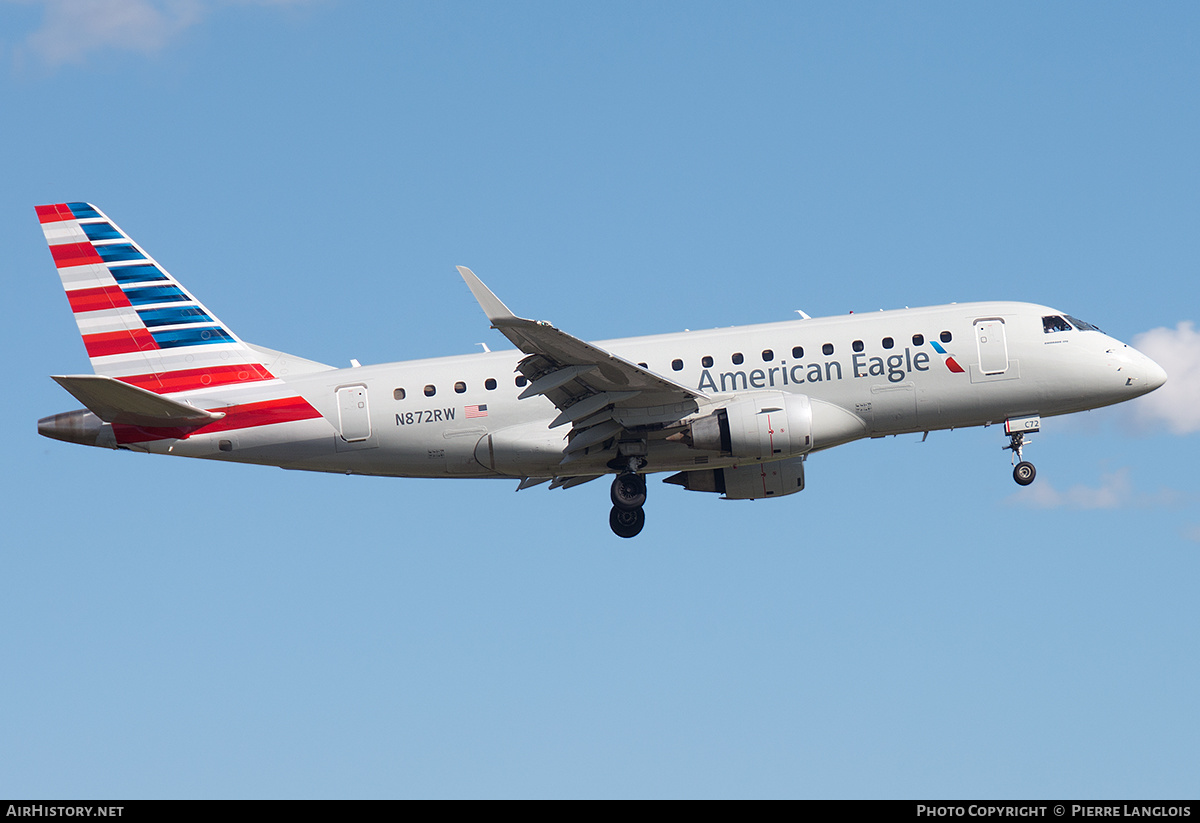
116, 402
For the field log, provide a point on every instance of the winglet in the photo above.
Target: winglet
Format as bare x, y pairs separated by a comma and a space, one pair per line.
492, 306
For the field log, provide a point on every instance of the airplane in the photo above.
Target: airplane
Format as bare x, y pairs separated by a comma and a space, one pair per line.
731, 411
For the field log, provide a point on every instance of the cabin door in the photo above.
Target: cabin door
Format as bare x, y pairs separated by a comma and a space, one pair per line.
993, 348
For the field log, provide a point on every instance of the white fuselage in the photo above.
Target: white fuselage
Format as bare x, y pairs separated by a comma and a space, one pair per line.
867, 375
731, 411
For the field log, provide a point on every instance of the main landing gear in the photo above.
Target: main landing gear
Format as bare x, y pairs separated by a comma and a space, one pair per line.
1024, 472
626, 522
628, 496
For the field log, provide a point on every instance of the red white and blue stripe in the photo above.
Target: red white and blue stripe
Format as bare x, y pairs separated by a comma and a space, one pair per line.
141, 326
138, 323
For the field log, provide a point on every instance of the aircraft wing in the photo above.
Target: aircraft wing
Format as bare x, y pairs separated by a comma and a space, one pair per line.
588, 385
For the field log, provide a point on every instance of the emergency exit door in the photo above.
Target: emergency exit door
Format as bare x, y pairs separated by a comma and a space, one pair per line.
353, 414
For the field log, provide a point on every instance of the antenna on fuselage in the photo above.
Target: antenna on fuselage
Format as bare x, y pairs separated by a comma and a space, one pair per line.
485, 347
803, 316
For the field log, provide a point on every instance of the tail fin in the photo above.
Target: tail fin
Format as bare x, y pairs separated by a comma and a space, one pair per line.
139, 324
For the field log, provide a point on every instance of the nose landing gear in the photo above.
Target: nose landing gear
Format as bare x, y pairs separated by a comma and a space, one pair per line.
1024, 472
1017, 428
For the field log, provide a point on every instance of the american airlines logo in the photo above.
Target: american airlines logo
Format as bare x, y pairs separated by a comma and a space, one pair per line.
951, 363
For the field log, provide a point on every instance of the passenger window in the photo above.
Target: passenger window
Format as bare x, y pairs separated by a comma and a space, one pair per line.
430, 391
946, 336
398, 394
677, 364
827, 349
1054, 323
888, 343
737, 358
490, 384
768, 355
918, 340
521, 381
797, 352
460, 387
857, 345
706, 361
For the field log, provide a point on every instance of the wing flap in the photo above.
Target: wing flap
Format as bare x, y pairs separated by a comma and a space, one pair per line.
552, 380
587, 406
593, 436
571, 482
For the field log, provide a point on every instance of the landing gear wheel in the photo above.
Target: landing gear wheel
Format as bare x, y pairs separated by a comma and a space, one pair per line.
626, 522
1024, 473
629, 492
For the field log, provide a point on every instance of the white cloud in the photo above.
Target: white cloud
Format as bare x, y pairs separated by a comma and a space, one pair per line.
72, 30
1177, 403
1114, 492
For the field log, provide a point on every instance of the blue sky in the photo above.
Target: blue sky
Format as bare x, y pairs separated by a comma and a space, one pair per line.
911, 625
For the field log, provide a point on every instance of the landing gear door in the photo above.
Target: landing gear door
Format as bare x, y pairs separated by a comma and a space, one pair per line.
993, 348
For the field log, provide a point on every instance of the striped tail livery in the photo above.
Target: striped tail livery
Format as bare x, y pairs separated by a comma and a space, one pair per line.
152, 344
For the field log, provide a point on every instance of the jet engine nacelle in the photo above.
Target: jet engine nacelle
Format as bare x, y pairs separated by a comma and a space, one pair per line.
753, 481
765, 426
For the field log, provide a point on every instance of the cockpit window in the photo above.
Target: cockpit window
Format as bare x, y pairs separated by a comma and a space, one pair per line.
1054, 323
1081, 325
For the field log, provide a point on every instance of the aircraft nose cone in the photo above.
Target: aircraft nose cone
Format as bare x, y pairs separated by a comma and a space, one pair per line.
1155, 375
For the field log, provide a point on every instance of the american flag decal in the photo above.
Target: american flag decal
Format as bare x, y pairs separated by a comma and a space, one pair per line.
476, 411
